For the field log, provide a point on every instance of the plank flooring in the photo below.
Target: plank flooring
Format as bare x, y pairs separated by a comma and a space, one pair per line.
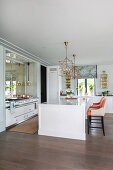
19, 151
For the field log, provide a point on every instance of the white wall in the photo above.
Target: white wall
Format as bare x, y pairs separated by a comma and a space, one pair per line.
2, 89
109, 71
34, 77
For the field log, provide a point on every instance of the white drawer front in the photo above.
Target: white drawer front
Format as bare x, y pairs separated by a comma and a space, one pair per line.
28, 108
19, 111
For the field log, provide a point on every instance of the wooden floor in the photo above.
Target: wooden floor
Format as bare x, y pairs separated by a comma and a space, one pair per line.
29, 126
20, 151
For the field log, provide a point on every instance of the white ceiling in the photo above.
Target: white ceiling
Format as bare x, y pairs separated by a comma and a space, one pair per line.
41, 27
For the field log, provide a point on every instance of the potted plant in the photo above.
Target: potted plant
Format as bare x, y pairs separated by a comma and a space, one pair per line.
91, 89
105, 93
69, 92
80, 88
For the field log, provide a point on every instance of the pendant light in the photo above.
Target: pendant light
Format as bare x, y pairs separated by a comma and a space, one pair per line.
28, 82
67, 66
19, 83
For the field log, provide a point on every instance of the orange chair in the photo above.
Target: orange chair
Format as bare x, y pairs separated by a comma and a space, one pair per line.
96, 110
97, 104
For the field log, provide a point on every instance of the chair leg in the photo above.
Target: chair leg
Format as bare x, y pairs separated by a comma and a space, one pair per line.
102, 120
88, 120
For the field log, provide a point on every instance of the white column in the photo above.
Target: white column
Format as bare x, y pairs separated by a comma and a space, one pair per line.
53, 83
2, 89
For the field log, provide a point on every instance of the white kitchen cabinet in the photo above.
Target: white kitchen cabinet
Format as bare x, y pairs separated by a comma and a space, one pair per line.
109, 105
21, 113
8, 118
29, 108
18, 111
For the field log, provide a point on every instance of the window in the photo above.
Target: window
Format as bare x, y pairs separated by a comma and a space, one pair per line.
81, 82
89, 82
85, 86
10, 88
7, 88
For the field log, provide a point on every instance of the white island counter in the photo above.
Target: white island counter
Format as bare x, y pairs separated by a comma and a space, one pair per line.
63, 118
94, 99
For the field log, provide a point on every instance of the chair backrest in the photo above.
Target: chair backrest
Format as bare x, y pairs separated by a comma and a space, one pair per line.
101, 99
103, 102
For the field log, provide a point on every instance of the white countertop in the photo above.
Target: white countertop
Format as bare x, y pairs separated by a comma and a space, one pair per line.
87, 96
21, 102
63, 101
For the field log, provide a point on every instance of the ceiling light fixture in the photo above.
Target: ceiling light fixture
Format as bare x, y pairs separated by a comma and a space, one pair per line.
19, 83
67, 66
28, 82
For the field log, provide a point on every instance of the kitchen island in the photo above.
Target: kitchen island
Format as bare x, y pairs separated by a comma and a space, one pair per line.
63, 118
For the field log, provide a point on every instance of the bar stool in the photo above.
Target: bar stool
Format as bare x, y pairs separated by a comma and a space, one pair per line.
97, 104
96, 111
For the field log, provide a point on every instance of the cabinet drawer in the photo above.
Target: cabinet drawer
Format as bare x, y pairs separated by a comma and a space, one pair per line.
20, 118
19, 111
28, 108
33, 113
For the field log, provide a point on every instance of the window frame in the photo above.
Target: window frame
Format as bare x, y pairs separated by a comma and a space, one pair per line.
86, 87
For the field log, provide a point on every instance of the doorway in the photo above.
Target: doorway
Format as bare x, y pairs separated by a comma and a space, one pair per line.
43, 85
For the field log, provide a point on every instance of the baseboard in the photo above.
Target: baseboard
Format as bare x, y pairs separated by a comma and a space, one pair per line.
68, 135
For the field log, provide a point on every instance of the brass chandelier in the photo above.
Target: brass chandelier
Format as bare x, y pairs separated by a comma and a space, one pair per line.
67, 66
